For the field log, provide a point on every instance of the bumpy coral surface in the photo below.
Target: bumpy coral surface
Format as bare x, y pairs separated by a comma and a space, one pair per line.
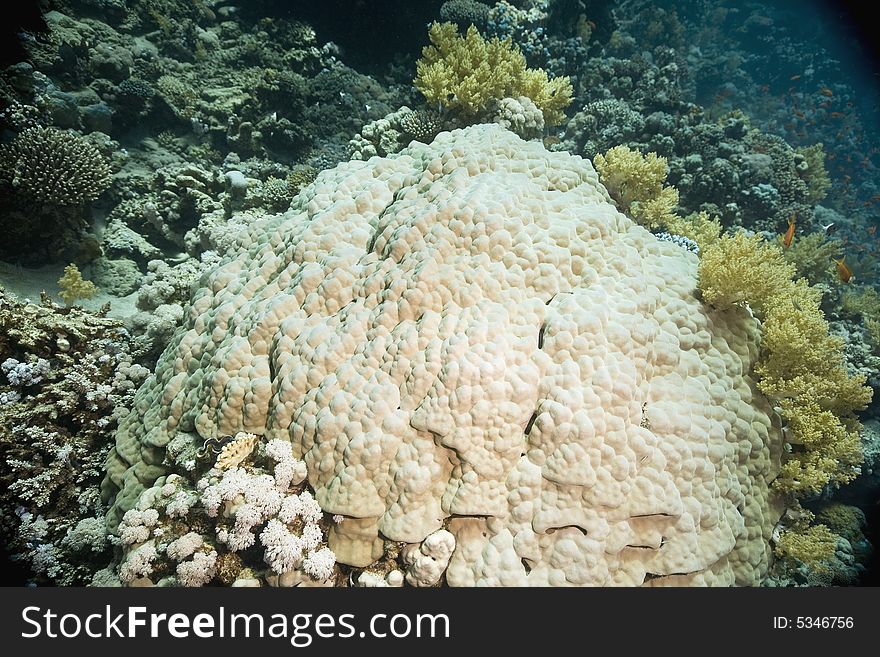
469, 336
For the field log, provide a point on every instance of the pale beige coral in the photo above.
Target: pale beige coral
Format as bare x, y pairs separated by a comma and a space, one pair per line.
471, 329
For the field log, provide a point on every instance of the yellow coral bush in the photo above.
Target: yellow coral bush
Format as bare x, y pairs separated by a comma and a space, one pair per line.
636, 183
812, 255
843, 519
813, 546
468, 73
74, 287
741, 269
801, 366
700, 227
865, 302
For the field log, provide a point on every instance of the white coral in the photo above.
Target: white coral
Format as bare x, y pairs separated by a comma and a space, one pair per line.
319, 564
426, 562
199, 571
184, 546
138, 563
283, 549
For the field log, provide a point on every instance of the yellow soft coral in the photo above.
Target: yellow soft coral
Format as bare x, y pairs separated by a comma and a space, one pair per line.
74, 287
813, 255
741, 269
699, 227
468, 73
813, 546
801, 366
865, 301
635, 182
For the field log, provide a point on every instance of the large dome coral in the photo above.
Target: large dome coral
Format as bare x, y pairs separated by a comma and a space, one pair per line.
469, 335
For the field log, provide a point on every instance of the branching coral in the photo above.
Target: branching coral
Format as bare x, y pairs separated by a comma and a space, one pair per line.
467, 74
847, 521
636, 183
699, 227
801, 365
54, 167
74, 287
812, 170
865, 301
740, 269
814, 546
72, 377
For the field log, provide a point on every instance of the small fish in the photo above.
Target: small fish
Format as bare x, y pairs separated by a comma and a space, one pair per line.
843, 270
836, 115
825, 91
830, 228
795, 77
788, 238
800, 115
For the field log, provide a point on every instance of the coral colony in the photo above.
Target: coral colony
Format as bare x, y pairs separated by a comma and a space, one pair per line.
568, 296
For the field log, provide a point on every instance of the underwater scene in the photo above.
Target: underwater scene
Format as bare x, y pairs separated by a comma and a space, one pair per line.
419, 293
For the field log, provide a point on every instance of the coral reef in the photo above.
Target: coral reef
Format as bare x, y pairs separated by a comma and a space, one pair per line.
478, 295
74, 287
54, 167
47, 176
67, 377
288, 222
466, 74
802, 367
636, 183
187, 531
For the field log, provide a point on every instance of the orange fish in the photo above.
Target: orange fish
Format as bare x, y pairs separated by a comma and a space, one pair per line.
788, 238
800, 115
825, 91
843, 270
836, 115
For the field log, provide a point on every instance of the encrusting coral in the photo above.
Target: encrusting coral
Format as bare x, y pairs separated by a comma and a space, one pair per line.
467, 74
